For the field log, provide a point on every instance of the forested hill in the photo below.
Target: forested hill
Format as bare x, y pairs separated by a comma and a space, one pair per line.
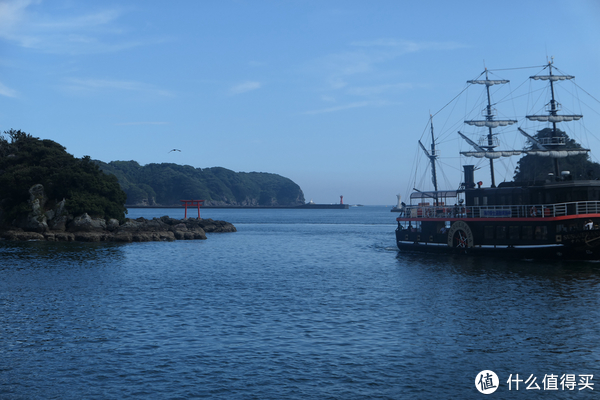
165, 184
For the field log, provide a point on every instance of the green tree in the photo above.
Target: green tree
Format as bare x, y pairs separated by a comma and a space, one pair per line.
26, 161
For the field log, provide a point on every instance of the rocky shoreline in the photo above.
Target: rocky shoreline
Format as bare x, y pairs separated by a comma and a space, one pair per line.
87, 229
57, 224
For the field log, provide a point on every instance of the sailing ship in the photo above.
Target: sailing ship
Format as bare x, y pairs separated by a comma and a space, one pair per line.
555, 218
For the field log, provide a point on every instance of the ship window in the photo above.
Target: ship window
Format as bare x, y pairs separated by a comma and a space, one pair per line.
527, 232
476, 201
485, 200
488, 232
513, 232
541, 233
500, 232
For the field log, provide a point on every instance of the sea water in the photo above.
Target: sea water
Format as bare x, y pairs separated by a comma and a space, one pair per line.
298, 304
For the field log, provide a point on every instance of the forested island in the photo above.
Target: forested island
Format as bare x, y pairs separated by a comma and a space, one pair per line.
48, 194
166, 184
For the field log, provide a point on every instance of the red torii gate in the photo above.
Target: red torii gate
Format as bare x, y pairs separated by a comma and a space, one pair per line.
187, 203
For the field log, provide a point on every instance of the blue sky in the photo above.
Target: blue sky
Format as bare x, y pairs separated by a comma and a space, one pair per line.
331, 94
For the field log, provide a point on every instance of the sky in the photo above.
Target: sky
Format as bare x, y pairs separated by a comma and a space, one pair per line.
331, 94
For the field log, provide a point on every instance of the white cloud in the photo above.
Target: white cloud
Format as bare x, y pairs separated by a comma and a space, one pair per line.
245, 87
329, 99
378, 89
408, 46
363, 71
81, 34
358, 104
4, 91
367, 58
92, 85
81, 22
12, 13
142, 123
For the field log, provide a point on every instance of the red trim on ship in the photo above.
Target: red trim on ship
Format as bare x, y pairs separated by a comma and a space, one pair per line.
494, 219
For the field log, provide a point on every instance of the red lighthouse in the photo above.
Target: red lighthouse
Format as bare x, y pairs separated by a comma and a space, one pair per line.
341, 199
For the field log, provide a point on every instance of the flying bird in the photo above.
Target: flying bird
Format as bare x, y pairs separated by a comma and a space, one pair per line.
175, 150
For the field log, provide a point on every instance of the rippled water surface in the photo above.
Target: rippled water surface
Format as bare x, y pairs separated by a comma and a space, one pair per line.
298, 304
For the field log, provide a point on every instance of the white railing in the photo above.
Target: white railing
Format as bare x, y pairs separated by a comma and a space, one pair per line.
507, 211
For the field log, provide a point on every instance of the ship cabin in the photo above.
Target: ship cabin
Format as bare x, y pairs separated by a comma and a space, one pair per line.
546, 193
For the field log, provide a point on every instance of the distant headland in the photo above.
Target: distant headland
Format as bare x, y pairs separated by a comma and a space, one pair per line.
164, 185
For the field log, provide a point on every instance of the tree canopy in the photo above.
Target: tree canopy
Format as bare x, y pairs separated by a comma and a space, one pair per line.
532, 168
26, 161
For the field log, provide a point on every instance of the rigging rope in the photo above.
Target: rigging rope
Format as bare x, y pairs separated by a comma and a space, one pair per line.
446, 133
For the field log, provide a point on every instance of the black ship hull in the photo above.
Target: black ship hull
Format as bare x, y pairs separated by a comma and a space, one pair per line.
574, 245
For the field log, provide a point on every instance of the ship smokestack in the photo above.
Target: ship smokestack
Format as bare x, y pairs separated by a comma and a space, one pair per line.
469, 176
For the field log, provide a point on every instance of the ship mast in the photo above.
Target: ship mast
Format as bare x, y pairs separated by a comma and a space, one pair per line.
547, 146
489, 142
552, 108
432, 157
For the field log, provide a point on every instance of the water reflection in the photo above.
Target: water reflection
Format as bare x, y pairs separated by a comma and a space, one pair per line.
544, 313
477, 265
46, 254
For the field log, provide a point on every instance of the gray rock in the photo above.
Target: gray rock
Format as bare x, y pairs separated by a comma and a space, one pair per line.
49, 215
60, 209
85, 228
36, 220
130, 226
91, 236
180, 227
59, 236
22, 236
58, 217
59, 223
36, 192
112, 225
85, 223
144, 225
34, 223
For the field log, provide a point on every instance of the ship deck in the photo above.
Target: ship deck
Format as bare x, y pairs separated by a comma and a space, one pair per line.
559, 211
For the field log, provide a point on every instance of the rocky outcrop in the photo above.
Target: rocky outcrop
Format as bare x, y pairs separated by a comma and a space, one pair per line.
56, 224
36, 221
85, 223
87, 229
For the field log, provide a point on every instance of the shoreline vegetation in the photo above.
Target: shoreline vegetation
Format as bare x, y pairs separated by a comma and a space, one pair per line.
48, 194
